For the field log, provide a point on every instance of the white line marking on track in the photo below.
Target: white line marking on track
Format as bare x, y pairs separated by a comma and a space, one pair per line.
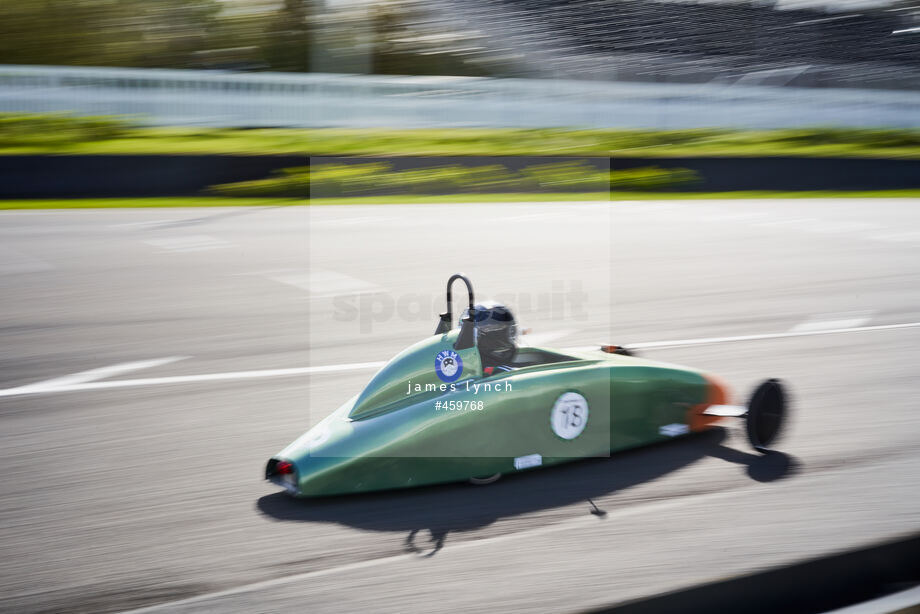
349, 221
145, 224
714, 340
188, 243
234, 375
832, 321
322, 284
528, 217
68, 382
898, 237
799, 221
735, 217
187, 379
564, 525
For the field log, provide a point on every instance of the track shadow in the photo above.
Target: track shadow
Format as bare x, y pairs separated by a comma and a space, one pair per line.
439, 510
773, 465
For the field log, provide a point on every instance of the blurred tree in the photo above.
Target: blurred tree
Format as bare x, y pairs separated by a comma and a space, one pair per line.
289, 36
381, 36
406, 43
170, 32
50, 32
105, 32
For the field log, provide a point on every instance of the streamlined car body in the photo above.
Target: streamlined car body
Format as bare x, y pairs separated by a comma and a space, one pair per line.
435, 414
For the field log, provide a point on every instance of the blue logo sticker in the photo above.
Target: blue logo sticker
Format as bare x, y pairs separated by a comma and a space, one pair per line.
448, 365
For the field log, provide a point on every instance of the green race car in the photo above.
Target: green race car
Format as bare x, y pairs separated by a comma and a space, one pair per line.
469, 404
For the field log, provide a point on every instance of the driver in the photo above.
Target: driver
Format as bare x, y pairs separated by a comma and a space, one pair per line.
496, 333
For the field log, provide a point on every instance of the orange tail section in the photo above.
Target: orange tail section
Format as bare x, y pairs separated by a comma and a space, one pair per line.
717, 394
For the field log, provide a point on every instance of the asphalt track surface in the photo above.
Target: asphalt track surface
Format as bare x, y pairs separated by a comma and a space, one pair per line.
148, 492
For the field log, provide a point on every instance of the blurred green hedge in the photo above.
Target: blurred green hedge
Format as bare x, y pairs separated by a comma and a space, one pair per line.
62, 133
17, 130
379, 178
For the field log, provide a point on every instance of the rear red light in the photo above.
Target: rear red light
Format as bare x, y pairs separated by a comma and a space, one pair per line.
285, 468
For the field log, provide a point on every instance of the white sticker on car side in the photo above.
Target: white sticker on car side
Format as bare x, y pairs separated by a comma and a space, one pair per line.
525, 462
570, 415
673, 430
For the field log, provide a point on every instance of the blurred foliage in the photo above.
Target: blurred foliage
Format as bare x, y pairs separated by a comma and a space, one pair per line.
56, 130
379, 178
852, 136
106, 32
553, 197
405, 43
31, 134
291, 35
652, 178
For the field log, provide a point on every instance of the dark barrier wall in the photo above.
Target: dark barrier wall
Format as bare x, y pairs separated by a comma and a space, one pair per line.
129, 176
722, 174
149, 175
727, 174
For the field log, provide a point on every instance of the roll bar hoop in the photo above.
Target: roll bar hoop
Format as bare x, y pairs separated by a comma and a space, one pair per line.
466, 338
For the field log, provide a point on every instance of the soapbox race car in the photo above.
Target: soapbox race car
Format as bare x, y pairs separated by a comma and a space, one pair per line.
469, 404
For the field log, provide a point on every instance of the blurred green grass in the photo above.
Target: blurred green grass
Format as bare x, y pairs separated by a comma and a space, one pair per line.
61, 134
129, 203
379, 179
195, 201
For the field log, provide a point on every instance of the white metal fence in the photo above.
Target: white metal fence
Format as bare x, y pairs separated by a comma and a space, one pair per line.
210, 98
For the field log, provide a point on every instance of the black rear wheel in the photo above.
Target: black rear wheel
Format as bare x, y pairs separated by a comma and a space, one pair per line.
766, 413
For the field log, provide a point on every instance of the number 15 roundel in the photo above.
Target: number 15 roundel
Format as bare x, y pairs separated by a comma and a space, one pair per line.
570, 415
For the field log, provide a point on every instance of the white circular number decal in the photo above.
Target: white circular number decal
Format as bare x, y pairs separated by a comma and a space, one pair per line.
570, 415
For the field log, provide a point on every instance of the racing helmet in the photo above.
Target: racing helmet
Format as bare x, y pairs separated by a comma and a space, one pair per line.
496, 333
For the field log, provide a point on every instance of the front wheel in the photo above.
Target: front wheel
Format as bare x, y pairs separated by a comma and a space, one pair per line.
488, 480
